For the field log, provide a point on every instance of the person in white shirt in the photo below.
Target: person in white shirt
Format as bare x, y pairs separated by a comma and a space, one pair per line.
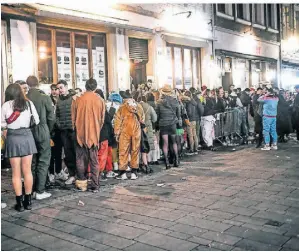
20, 145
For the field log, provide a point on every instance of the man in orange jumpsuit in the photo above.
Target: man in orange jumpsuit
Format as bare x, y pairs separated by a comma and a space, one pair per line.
127, 131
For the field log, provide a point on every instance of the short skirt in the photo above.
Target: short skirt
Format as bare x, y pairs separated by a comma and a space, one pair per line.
19, 143
168, 130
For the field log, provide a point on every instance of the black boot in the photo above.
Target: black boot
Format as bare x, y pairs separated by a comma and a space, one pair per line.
27, 202
167, 164
176, 162
19, 206
148, 169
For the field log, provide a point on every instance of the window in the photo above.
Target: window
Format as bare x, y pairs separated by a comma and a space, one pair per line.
224, 10
178, 70
272, 16
187, 69
243, 11
44, 51
182, 68
71, 56
81, 54
64, 59
258, 14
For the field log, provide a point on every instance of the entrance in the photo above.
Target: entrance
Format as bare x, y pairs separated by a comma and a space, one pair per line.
138, 73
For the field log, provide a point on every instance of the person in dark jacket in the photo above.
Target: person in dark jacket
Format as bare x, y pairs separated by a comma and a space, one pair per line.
258, 117
246, 101
296, 111
200, 111
168, 113
64, 125
284, 123
41, 133
192, 112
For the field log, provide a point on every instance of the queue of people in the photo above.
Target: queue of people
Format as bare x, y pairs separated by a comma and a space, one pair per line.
126, 134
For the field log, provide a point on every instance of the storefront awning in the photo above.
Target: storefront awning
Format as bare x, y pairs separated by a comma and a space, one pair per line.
183, 40
219, 52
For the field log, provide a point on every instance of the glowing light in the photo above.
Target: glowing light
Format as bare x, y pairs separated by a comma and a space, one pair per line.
42, 49
42, 55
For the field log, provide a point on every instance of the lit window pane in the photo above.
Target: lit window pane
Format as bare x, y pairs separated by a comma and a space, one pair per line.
168, 66
64, 57
98, 61
81, 54
187, 69
178, 68
195, 67
44, 52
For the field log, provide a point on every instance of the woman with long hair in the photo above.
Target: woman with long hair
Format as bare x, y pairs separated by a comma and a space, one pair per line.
169, 114
17, 113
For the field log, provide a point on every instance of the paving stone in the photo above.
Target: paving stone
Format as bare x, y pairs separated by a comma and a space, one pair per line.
160, 230
157, 222
221, 246
220, 214
138, 246
200, 240
187, 229
272, 216
204, 248
233, 222
165, 242
257, 235
179, 235
292, 244
103, 238
250, 220
205, 224
246, 244
221, 237
15, 245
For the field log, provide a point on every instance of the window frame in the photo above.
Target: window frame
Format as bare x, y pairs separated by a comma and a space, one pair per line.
246, 10
274, 11
73, 54
228, 12
261, 14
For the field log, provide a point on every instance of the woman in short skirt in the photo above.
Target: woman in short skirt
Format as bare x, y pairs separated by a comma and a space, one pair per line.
169, 115
19, 145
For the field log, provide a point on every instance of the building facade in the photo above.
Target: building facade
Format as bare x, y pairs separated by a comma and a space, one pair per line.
121, 46
290, 46
247, 44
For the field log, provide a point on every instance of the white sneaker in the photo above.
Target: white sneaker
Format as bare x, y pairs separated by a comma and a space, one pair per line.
122, 177
274, 147
266, 148
44, 195
128, 169
62, 176
70, 181
134, 176
51, 178
111, 174
3, 205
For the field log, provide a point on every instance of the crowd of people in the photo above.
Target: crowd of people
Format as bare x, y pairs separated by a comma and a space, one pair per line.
127, 133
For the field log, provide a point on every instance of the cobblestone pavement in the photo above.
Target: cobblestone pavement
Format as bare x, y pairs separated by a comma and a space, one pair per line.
226, 200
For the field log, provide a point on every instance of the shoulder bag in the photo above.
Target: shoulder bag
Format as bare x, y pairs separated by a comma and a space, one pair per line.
32, 119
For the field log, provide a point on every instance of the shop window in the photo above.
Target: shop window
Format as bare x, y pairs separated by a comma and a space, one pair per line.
243, 11
98, 59
64, 59
169, 66
44, 52
81, 55
226, 9
187, 69
182, 67
73, 57
258, 14
272, 16
178, 68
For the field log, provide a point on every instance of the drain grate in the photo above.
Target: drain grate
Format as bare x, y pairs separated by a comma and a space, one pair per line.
274, 223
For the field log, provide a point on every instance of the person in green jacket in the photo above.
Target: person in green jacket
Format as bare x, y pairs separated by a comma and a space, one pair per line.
41, 133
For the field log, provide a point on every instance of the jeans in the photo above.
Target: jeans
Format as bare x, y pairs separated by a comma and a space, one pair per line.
269, 128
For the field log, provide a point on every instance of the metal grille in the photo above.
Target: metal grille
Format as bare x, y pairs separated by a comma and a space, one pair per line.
138, 49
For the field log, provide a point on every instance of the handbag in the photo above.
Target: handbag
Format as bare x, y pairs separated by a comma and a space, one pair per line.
144, 144
32, 119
